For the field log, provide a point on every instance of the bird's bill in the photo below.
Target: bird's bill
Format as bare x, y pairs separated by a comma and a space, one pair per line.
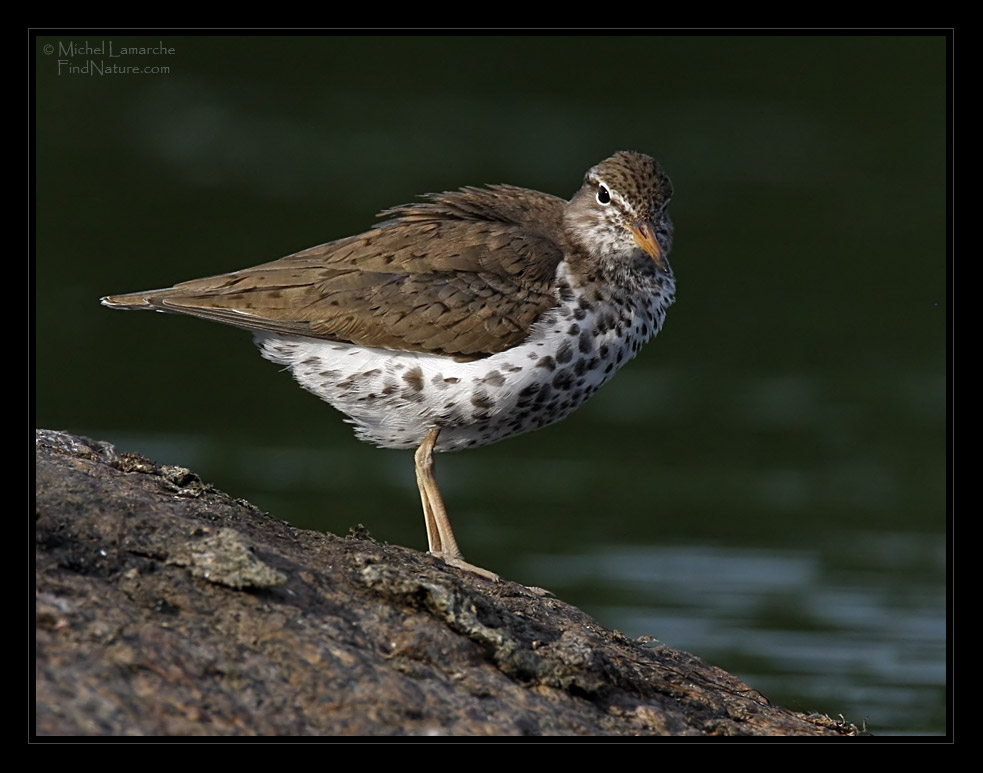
644, 233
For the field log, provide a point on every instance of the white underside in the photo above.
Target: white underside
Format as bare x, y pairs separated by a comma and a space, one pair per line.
393, 398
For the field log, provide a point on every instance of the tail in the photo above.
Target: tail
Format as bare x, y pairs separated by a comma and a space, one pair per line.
144, 300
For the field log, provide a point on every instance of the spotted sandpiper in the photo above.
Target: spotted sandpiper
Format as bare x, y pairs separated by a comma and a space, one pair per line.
477, 315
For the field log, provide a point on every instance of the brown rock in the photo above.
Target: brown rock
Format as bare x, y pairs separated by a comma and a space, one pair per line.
165, 607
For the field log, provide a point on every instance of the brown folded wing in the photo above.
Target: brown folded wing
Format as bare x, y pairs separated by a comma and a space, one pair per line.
465, 274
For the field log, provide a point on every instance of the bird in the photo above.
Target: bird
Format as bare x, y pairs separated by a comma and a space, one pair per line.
463, 319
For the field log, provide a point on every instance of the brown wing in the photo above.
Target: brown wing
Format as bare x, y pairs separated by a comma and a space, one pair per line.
465, 274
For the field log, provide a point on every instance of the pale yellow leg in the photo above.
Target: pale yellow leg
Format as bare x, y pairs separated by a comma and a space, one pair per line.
440, 535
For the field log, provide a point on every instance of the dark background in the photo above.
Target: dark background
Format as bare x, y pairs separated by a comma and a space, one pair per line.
765, 486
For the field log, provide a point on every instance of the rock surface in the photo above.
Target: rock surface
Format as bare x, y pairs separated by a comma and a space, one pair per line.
165, 607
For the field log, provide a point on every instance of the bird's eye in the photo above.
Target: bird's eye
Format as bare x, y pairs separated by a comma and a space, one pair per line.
603, 197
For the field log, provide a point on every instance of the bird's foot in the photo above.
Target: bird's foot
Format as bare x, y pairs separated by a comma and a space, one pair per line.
460, 563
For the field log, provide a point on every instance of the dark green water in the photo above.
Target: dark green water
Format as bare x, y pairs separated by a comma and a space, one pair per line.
764, 486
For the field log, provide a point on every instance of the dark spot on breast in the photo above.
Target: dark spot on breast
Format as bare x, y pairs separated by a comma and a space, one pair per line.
494, 378
564, 353
330, 375
544, 394
579, 314
414, 377
562, 380
586, 343
547, 362
574, 329
481, 400
311, 361
603, 351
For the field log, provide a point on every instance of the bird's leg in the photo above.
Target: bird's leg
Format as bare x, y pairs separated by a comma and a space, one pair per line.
440, 535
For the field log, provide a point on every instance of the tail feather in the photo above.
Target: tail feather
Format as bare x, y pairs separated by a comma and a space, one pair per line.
143, 300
